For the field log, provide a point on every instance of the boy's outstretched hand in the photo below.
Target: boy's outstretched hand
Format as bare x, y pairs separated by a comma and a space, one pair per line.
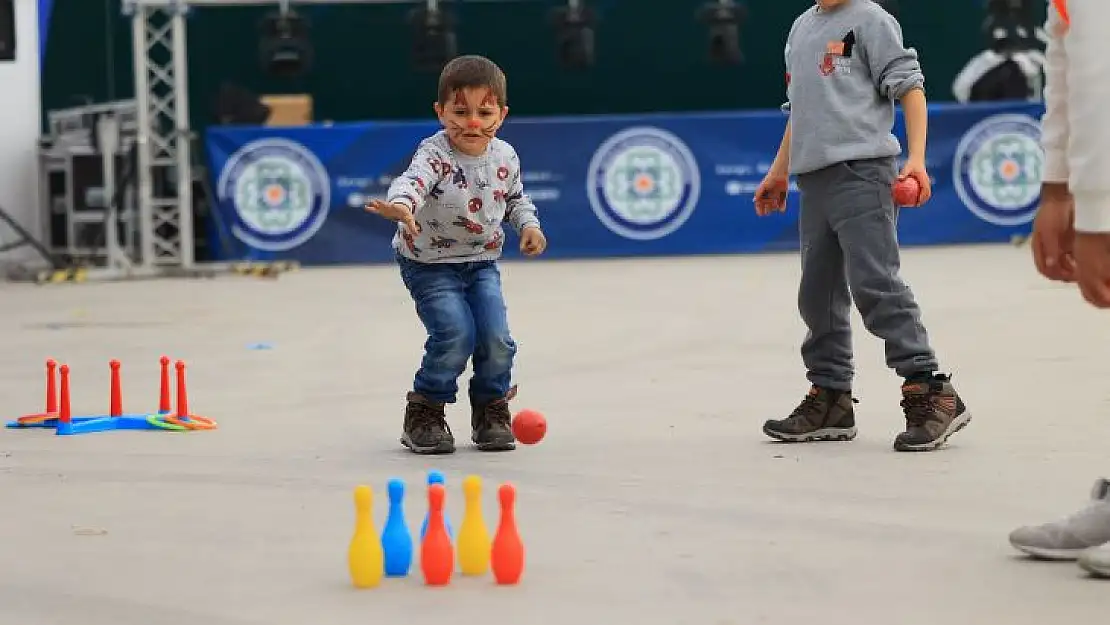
395, 212
915, 169
532, 241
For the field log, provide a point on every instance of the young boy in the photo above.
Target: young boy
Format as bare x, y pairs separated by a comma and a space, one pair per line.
846, 65
449, 205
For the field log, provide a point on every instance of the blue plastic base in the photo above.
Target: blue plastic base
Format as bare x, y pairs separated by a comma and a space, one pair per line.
105, 423
99, 423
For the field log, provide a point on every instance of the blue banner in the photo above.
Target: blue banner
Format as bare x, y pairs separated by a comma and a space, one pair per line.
46, 9
606, 186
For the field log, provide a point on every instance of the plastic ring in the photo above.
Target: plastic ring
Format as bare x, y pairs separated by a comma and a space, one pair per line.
157, 421
191, 422
35, 419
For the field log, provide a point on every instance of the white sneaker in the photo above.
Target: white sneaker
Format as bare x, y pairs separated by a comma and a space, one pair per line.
1069, 538
1096, 561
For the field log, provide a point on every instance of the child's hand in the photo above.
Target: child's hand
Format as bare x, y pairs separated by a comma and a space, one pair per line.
395, 212
915, 168
532, 241
770, 196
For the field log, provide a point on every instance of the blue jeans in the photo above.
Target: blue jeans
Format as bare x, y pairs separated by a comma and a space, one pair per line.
463, 310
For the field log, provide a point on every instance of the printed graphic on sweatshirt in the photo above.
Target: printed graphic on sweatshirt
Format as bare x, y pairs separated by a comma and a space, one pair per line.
643, 183
410, 243
461, 204
281, 193
998, 168
837, 58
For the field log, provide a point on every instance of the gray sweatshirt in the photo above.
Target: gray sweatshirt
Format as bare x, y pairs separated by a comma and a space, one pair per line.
460, 202
845, 68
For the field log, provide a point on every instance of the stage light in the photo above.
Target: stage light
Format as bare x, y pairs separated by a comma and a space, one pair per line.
574, 35
1009, 26
724, 19
1012, 65
434, 42
284, 48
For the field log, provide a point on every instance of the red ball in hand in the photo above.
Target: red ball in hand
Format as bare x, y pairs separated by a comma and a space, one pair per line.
907, 191
529, 426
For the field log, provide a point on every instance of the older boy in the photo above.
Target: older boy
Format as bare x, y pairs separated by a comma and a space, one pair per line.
1071, 235
846, 65
450, 203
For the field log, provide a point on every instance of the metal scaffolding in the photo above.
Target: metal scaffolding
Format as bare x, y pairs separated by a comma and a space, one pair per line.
165, 176
164, 136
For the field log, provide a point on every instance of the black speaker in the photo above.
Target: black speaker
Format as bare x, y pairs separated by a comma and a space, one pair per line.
7, 30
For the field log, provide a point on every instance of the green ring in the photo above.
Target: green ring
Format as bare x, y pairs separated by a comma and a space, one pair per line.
156, 421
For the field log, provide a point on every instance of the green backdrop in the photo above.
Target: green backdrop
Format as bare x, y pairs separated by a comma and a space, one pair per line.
651, 56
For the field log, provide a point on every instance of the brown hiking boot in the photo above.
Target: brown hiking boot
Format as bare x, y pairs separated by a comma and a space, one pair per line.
426, 429
824, 415
492, 423
933, 413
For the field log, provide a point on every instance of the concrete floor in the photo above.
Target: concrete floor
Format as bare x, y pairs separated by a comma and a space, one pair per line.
655, 498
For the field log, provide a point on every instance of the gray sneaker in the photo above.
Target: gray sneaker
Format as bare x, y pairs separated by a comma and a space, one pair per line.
1068, 538
1096, 561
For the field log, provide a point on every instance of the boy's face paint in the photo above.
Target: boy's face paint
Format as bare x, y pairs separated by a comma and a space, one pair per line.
472, 119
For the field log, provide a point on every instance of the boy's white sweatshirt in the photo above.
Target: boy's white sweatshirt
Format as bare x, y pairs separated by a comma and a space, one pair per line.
1076, 125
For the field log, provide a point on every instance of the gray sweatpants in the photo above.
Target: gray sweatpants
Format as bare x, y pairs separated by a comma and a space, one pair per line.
849, 250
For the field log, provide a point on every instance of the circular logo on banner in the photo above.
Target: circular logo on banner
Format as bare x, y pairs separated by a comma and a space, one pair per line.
998, 168
643, 183
281, 193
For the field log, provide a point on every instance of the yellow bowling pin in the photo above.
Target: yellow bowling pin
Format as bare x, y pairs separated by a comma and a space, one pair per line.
474, 539
365, 557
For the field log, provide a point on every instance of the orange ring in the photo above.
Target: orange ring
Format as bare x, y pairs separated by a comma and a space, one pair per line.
192, 422
35, 419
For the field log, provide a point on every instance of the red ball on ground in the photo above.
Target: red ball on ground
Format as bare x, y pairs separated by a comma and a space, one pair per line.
529, 426
907, 192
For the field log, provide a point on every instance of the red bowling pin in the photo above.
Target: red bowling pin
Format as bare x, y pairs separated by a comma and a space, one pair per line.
507, 554
437, 556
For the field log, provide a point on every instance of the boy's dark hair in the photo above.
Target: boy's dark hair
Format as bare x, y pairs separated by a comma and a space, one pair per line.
472, 71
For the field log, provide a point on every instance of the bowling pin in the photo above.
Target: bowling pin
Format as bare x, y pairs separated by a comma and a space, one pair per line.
435, 477
364, 556
507, 553
396, 539
437, 556
474, 541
